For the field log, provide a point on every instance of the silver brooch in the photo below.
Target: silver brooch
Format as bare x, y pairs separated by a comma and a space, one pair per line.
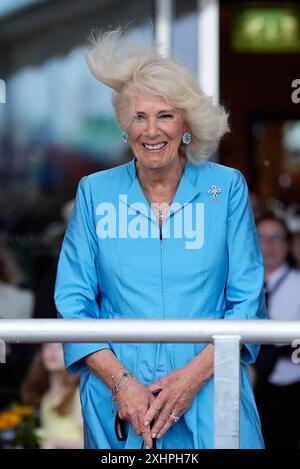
214, 191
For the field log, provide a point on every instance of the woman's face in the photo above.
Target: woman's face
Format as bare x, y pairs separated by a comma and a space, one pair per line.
273, 243
156, 131
53, 358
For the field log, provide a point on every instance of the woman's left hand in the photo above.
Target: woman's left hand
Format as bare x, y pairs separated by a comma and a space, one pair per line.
176, 393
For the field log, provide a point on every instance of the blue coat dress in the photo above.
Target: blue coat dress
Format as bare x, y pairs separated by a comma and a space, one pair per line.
213, 270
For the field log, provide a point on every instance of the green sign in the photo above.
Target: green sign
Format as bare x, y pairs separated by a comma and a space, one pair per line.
266, 29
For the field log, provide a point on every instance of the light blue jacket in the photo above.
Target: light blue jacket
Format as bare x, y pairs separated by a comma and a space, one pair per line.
140, 276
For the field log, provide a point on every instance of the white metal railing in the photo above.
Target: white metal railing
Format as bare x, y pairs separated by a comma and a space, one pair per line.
227, 336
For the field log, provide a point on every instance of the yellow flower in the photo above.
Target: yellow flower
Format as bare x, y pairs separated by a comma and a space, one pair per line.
9, 420
23, 410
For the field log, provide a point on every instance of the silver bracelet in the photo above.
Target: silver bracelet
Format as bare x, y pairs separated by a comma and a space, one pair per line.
126, 375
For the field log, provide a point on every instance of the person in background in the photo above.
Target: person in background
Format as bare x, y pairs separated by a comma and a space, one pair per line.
52, 237
54, 394
15, 303
277, 377
295, 248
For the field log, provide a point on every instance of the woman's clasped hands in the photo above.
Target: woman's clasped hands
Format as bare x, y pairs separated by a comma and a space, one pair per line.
153, 410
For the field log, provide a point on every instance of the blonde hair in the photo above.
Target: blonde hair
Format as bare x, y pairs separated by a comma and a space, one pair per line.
129, 69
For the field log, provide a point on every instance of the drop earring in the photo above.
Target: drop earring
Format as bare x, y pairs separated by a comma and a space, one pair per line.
124, 137
186, 138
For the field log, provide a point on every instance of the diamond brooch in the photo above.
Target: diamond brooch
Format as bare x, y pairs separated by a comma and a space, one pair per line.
214, 191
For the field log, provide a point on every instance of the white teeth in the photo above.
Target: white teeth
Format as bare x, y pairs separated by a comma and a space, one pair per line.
154, 147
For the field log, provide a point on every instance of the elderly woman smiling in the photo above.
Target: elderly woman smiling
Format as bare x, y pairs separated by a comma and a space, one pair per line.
163, 392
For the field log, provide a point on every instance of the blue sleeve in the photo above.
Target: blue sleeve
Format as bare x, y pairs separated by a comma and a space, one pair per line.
244, 287
77, 289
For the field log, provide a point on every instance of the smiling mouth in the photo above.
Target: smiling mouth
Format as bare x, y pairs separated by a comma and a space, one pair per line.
157, 147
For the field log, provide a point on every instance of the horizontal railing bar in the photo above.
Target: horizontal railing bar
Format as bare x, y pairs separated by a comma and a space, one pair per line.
146, 330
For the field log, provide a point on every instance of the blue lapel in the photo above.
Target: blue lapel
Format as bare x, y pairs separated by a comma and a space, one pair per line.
186, 191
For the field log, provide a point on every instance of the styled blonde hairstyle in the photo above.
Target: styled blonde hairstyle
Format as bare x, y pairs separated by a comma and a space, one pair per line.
129, 69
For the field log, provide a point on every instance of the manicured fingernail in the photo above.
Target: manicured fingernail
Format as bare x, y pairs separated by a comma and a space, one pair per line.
153, 435
146, 423
158, 436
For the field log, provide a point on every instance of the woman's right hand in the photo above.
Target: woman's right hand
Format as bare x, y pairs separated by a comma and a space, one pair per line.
134, 399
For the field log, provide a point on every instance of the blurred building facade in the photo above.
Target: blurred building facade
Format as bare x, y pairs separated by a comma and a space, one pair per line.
260, 85
58, 123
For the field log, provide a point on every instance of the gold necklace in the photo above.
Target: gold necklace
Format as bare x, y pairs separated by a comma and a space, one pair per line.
162, 212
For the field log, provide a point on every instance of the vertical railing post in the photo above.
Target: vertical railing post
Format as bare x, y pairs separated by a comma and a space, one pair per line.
2, 351
163, 25
2, 92
227, 392
208, 47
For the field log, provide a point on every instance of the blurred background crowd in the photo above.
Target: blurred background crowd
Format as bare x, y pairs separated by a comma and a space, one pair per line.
58, 125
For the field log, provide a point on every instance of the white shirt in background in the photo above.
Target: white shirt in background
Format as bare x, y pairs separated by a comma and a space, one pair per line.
284, 305
15, 302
